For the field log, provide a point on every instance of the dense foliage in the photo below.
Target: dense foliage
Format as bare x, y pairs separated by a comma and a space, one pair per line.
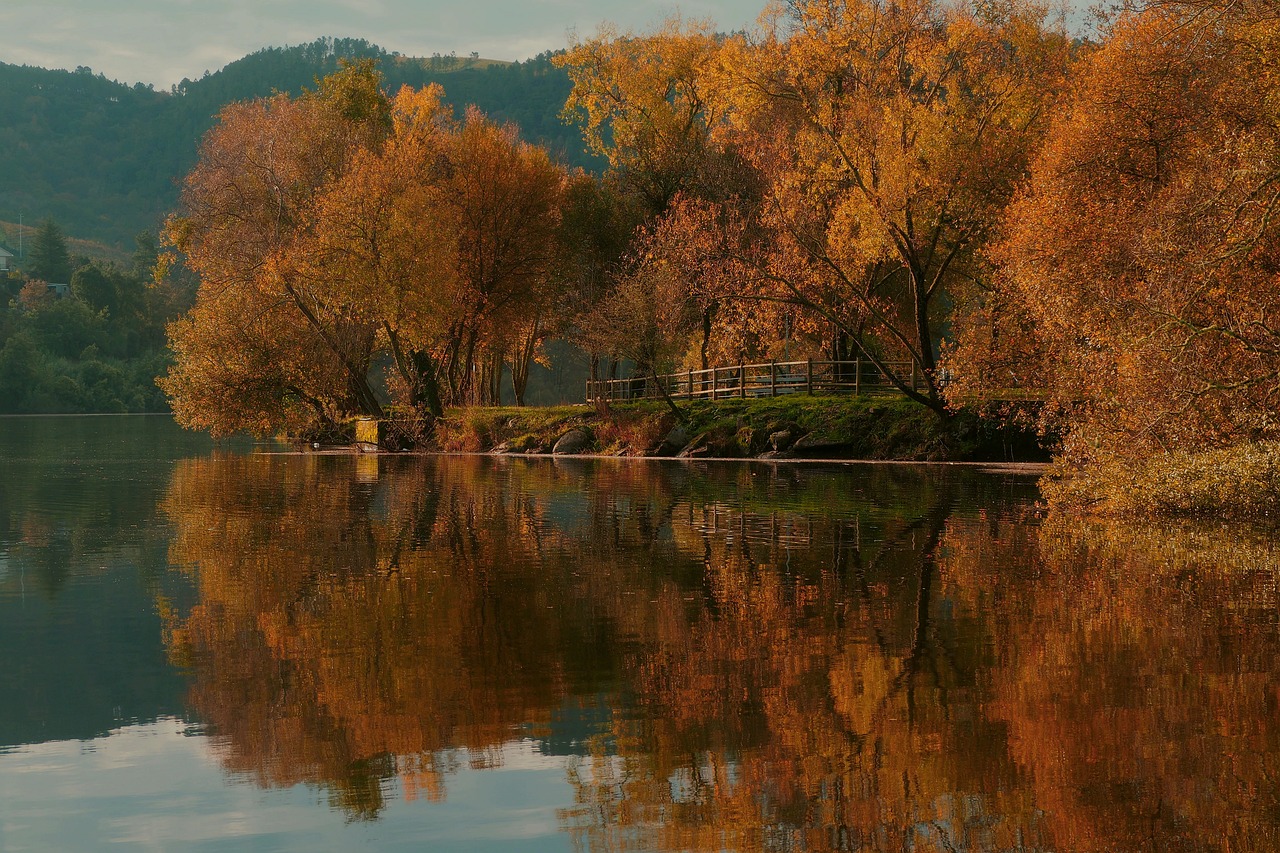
96, 348
354, 248
1141, 263
828, 183
1027, 221
1091, 227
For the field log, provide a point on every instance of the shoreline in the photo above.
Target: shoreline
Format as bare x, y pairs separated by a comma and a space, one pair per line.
830, 428
1022, 468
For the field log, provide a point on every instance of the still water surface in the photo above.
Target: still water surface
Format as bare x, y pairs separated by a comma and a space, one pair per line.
213, 647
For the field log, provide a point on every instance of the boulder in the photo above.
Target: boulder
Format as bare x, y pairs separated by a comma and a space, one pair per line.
675, 442
576, 440
782, 439
814, 444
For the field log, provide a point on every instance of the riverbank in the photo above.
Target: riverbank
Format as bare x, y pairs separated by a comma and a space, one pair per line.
1237, 482
878, 427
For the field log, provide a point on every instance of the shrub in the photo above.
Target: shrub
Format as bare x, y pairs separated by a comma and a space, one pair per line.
1242, 481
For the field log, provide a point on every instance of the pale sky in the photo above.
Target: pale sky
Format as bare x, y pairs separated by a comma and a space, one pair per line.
162, 41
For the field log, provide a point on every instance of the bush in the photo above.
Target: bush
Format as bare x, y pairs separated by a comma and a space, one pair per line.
1242, 481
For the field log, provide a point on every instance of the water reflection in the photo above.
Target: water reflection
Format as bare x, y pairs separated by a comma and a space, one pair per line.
733, 656
82, 555
1139, 677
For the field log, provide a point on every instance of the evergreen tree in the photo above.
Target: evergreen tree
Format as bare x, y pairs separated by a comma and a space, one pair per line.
145, 255
49, 259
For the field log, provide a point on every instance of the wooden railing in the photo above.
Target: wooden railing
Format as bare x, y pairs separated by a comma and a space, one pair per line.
760, 380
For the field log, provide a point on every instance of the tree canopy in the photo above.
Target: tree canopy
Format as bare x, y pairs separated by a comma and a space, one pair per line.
1142, 254
340, 226
838, 172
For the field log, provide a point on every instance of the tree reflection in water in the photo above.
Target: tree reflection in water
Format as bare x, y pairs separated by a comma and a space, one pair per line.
788, 658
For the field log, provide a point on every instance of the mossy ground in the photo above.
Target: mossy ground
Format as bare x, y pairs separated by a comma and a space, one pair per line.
868, 427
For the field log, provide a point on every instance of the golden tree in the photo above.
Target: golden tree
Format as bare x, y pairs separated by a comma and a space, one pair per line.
1145, 248
340, 225
247, 204
504, 198
382, 235
643, 104
843, 169
890, 137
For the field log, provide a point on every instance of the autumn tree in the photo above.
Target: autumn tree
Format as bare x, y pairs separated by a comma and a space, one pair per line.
851, 161
341, 225
504, 198
890, 137
247, 203
647, 320
1145, 247
648, 104
642, 103
380, 241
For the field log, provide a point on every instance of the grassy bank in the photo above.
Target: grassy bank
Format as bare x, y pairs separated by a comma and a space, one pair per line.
795, 426
1231, 482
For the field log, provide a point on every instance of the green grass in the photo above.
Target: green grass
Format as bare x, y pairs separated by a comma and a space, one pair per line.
880, 426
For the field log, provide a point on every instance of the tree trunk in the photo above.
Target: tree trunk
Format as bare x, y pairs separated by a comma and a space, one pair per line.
708, 315
522, 359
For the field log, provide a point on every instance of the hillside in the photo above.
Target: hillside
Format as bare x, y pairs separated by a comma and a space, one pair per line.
103, 158
79, 247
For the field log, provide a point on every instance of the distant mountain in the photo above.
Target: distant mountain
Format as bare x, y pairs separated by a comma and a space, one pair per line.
104, 158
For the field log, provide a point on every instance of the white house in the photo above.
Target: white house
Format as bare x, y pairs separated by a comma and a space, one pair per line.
6, 259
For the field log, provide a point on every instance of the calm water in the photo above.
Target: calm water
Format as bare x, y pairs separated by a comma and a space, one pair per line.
218, 648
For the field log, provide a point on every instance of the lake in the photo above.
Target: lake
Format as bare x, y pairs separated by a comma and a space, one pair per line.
233, 647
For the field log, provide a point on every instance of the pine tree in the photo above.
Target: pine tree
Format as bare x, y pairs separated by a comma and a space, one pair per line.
48, 259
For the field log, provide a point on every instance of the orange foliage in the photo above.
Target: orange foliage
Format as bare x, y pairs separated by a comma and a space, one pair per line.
335, 227
1145, 251
859, 155
781, 675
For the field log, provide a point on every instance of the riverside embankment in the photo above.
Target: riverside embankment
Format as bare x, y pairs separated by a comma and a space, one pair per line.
879, 427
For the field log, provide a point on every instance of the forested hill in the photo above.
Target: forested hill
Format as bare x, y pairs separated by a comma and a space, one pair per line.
103, 158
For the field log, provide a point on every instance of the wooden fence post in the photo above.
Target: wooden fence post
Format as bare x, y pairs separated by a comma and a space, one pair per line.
808, 372
715, 382
857, 377
773, 379
690, 384
742, 380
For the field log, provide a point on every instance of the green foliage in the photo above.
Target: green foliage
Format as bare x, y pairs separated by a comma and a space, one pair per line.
48, 259
103, 157
67, 327
97, 350
94, 287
